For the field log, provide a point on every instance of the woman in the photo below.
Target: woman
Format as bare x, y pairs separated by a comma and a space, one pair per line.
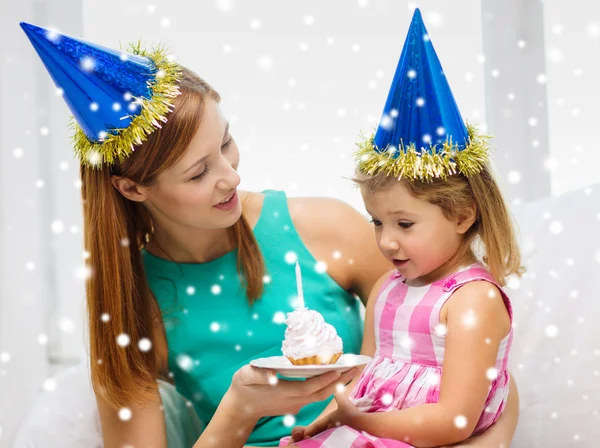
188, 287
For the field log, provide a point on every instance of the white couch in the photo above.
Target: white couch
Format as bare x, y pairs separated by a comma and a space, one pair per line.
555, 357
556, 352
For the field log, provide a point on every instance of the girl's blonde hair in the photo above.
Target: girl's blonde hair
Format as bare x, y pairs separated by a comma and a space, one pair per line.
493, 226
115, 229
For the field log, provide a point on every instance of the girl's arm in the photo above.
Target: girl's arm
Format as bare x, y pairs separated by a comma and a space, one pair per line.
501, 433
476, 324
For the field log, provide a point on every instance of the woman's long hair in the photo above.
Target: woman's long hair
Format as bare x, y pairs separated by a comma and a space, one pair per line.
119, 300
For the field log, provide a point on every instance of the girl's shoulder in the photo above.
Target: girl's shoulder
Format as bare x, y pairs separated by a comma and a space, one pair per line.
474, 291
480, 302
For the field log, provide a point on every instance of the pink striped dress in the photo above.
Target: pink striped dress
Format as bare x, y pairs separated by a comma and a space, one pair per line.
407, 366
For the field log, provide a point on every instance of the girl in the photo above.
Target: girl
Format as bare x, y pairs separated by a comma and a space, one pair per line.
439, 326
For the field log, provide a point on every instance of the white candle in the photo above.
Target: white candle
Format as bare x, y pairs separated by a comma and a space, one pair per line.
299, 286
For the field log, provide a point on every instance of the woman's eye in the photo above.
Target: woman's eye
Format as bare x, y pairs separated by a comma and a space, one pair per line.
200, 176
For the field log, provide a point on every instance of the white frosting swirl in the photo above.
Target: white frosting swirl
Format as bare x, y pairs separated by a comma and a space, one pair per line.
308, 334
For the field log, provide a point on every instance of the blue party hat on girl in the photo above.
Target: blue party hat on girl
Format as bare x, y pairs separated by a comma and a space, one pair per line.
117, 98
421, 134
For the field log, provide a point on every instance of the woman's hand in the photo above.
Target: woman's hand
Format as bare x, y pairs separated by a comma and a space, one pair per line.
256, 393
259, 393
345, 413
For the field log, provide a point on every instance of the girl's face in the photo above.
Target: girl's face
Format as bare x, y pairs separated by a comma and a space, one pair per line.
413, 233
199, 191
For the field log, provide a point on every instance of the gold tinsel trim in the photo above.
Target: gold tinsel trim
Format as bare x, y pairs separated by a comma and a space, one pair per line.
429, 163
120, 143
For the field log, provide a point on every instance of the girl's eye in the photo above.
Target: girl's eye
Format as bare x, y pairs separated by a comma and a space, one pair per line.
200, 176
375, 222
405, 225
227, 143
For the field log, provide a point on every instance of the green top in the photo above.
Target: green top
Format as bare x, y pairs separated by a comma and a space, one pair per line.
212, 330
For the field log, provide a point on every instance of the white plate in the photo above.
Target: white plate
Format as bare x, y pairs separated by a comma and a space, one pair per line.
284, 367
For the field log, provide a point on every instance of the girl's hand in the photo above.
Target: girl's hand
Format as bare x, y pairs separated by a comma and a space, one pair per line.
345, 414
346, 411
306, 432
259, 393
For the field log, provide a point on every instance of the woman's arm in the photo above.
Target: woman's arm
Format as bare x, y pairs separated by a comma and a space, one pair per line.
369, 268
146, 427
340, 236
254, 393
257, 393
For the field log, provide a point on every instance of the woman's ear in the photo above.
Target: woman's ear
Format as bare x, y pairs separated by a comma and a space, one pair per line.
465, 219
128, 188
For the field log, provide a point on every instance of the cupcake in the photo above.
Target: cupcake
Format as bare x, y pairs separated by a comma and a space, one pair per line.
309, 339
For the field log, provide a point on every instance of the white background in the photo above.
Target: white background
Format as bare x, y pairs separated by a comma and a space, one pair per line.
298, 81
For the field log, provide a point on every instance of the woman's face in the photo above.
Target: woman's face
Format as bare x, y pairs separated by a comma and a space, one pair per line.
199, 191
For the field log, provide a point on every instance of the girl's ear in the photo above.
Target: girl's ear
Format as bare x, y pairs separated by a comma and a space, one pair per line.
465, 219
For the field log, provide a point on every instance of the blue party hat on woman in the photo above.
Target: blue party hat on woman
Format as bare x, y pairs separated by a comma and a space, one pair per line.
421, 134
117, 98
